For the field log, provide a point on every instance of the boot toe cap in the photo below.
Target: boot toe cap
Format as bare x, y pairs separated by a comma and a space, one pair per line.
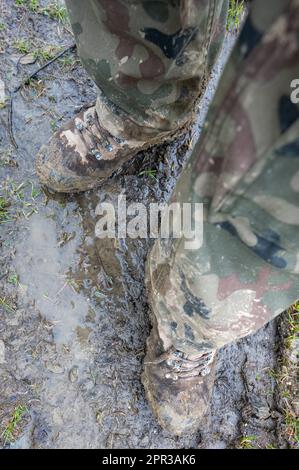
179, 407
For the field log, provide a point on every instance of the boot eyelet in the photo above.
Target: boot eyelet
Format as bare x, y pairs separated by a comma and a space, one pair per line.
109, 147
96, 154
205, 371
179, 354
79, 126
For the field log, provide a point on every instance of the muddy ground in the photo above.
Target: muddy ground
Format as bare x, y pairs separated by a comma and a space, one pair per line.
73, 310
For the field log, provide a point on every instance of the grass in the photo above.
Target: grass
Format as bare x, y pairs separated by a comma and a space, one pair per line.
151, 173
35, 192
53, 126
292, 428
286, 375
270, 446
21, 199
34, 5
291, 419
14, 279
6, 305
54, 10
11, 429
4, 205
22, 46
45, 53
293, 324
246, 442
68, 61
235, 12
273, 374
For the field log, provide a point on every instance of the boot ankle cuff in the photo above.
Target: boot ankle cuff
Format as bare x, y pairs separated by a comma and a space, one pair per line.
121, 125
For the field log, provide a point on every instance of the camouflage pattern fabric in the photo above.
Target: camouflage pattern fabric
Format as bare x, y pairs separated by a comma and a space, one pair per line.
245, 169
149, 59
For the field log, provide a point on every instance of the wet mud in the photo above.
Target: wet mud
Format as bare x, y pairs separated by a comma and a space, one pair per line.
73, 309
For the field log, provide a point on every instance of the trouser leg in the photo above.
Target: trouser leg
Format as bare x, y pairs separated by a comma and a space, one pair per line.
245, 170
149, 59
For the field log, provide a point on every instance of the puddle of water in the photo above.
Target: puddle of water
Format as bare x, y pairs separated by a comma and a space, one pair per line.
43, 268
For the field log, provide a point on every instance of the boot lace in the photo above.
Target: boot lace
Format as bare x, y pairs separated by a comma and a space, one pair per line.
90, 130
181, 367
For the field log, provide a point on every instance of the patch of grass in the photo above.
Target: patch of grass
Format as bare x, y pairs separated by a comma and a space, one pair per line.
292, 428
31, 5
235, 12
287, 374
273, 374
17, 190
11, 429
4, 205
14, 279
46, 53
55, 11
34, 5
35, 192
293, 324
2, 27
20, 3
246, 442
42, 53
38, 52
53, 125
22, 198
22, 46
151, 173
68, 61
6, 305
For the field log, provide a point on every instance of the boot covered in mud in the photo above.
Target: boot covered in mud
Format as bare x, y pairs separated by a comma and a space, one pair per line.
83, 153
178, 388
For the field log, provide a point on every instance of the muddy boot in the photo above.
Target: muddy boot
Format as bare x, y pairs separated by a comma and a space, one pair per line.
178, 389
83, 153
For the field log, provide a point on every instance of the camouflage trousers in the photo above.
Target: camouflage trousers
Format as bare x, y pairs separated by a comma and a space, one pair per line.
149, 59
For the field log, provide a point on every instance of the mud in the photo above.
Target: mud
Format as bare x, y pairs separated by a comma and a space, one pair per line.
73, 310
